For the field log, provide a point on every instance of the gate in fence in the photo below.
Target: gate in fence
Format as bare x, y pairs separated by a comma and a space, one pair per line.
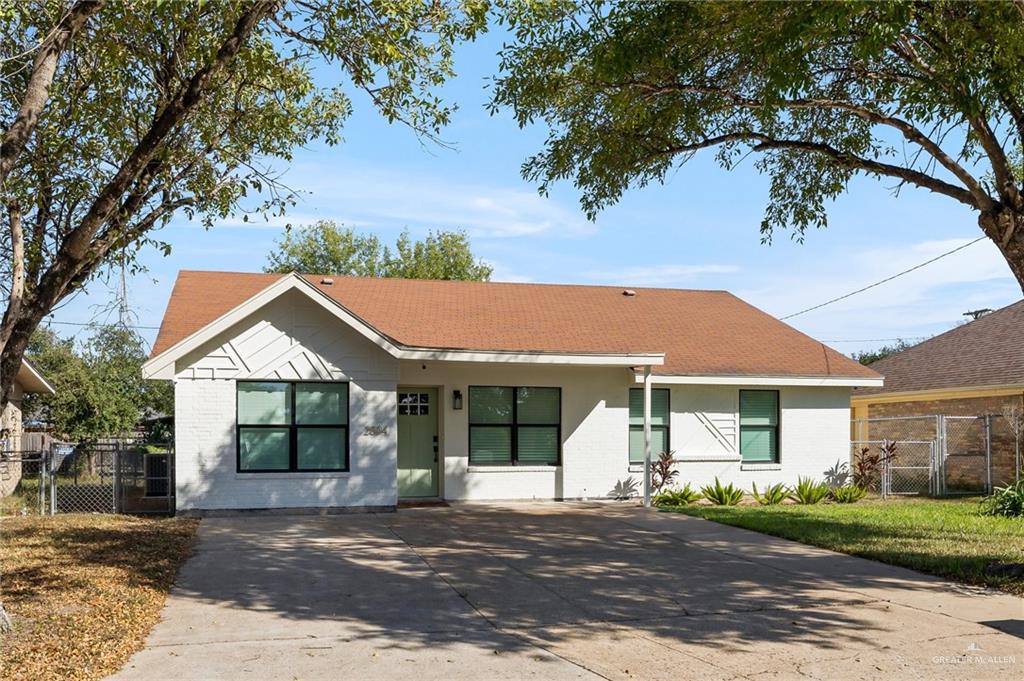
939, 455
910, 471
116, 476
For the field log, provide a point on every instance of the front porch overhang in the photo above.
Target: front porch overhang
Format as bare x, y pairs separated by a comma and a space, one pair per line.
741, 379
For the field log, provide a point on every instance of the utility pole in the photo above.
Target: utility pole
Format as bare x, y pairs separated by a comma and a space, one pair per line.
975, 315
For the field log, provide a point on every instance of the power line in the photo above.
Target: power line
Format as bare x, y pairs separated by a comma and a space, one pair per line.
887, 279
129, 326
875, 340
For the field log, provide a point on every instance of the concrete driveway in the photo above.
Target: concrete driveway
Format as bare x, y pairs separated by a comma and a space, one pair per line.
559, 591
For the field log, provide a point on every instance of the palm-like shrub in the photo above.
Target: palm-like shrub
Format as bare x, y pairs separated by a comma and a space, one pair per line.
720, 495
772, 495
848, 494
677, 497
809, 491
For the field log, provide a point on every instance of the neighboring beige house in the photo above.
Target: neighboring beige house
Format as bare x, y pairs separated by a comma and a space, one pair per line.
28, 380
972, 370
331, 392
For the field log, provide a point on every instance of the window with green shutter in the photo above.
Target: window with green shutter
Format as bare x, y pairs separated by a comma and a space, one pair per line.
660, 425
515, 426
759, 426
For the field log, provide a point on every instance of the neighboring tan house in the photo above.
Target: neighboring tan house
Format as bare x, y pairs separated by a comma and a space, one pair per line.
973, 370
328, 393
28, 380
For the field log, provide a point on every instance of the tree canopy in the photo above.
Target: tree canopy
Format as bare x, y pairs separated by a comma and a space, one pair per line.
869, 357
115, 116
927, 95
99, 387
326, 248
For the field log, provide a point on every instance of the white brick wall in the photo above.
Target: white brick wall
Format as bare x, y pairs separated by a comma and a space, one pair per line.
595, 427
293, 338
289, 339
815, 433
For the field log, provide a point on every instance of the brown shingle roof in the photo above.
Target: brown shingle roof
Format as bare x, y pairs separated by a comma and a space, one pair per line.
700, 332
986, 352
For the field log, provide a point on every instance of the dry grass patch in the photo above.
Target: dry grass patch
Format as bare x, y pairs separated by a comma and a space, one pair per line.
83, 590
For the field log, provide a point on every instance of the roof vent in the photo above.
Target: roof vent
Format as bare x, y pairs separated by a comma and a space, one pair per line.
327, 281
628, 292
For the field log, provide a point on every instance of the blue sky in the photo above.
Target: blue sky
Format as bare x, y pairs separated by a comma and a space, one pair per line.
698, 230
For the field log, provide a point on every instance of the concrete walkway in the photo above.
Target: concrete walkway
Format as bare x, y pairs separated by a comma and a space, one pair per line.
559, 591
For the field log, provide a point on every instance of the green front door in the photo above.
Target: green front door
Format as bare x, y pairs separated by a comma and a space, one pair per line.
417, 442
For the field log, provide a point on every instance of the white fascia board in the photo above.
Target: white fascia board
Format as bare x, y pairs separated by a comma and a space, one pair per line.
162, 366
511, 357
814, 381
32, 381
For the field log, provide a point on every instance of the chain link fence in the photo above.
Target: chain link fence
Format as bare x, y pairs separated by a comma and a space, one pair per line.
23, 482
910, 470
115, 476
939, 455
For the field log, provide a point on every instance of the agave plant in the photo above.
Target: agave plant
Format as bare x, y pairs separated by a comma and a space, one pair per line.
677, 497
809, 491
773, 494
720, 495
1005, 501
848, 494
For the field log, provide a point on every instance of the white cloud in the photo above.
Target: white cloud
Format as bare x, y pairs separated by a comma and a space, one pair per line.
483, 210
658, 275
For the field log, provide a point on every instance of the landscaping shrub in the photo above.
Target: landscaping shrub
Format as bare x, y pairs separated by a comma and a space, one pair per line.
663, 471
848, 494
809, 491
722, 496
1005, 501
773, 494
867, 463
677, 497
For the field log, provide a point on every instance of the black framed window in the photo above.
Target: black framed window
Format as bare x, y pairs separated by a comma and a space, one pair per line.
292, 426
660, 424
515, 426
759, 426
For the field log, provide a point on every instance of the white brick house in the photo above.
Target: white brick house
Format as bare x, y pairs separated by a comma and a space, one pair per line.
302, 392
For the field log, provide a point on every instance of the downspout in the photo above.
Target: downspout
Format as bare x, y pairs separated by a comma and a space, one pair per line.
647, 436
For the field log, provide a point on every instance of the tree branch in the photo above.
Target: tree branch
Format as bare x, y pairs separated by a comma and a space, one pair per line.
17, 273
855, 162
37, 90
1001, 168
76, 245
843, 159
909, 131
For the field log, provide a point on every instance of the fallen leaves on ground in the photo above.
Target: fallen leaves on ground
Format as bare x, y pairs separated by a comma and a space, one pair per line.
84, 590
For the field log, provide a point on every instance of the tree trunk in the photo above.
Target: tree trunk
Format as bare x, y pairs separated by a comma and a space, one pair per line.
13, 350
1005, 227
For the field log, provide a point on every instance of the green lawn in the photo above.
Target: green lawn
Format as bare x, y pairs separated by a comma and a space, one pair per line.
946, 537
